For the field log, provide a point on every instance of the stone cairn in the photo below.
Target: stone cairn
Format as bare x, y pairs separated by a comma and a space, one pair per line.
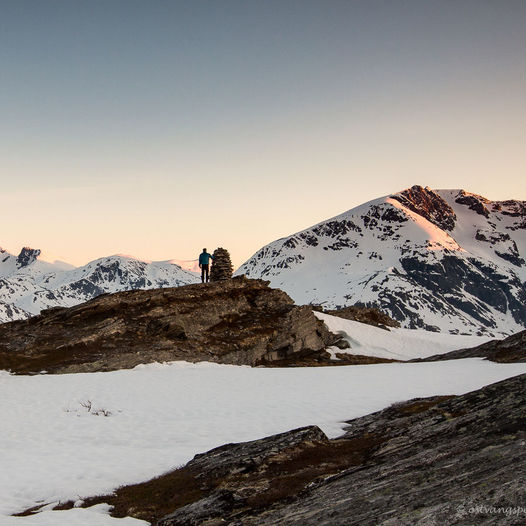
221, 265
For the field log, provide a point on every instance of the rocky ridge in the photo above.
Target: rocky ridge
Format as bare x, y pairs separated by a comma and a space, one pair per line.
508, 350
237, 321
429, 205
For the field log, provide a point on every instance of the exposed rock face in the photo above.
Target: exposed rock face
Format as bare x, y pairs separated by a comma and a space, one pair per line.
245, 456
475, 202
221, 265
465, 286
232, 464
428, 204
27, 256
238, 321
511, 349
428, 461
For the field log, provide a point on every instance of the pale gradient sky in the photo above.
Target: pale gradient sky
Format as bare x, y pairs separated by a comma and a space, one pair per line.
154, 128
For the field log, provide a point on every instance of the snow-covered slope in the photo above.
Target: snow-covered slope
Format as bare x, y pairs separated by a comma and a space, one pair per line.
191, 265
395, 343
29, 284
443, 260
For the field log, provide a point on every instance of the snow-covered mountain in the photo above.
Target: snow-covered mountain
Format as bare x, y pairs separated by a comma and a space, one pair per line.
29, 283
443, 260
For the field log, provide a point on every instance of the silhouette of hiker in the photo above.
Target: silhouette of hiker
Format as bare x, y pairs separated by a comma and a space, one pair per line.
204, 261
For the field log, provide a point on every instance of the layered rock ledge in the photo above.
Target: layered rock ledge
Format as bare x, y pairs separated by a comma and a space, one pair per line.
239, 321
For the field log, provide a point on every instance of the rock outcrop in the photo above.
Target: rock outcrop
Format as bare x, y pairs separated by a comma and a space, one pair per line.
238, 321
428, 461
508, 350
368, 315
27, 256
428, 204
436, 464
456, 460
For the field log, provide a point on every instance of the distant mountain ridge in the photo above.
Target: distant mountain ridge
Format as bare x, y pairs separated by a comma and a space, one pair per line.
443, 260
29, 284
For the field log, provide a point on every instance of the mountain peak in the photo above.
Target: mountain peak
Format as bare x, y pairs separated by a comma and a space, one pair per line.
445, 260
428, 204
27, 256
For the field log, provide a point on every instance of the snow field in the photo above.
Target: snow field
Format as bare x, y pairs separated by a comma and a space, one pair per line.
52, 448
396, 344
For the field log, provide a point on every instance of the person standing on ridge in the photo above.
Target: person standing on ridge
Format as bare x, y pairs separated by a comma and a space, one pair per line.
204, 261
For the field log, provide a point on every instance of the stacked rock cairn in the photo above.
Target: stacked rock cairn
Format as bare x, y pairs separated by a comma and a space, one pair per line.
221, 265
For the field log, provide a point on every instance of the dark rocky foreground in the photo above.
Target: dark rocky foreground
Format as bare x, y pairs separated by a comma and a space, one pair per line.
237, 321
429, 461
508, 350
455, 460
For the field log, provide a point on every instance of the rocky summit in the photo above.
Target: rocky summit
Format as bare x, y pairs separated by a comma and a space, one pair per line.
237, 321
